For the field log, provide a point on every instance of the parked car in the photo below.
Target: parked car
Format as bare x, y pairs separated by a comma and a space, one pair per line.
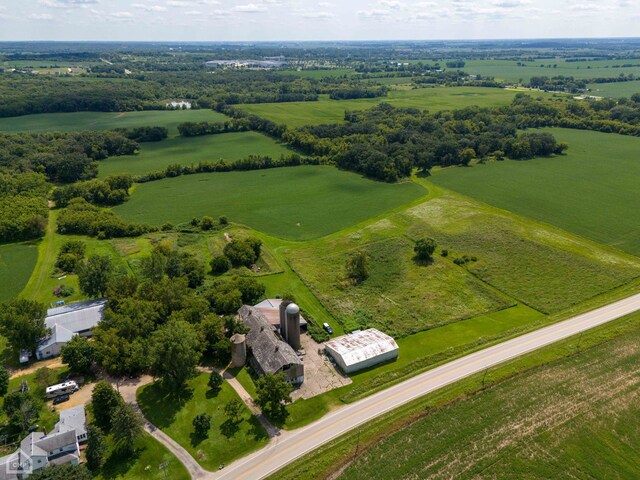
327, 328
61, 398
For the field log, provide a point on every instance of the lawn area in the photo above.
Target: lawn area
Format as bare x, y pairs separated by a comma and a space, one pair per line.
155, 156
615, 90
42, 281
574, 418
144, 464
592, 191
295, 203
226, 442
325, 110
16, 266
43, 122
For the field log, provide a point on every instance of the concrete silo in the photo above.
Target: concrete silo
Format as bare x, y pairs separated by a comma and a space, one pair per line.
283, 318
292, 317
238, 350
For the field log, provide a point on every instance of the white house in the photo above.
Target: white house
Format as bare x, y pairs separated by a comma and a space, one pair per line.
65, 322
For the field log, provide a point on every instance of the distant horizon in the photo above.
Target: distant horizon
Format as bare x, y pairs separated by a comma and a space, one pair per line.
314, 21
370, 40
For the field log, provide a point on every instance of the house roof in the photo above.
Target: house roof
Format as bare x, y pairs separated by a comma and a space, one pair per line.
269, 350
54, 441
271, 309
76, 317
59, 334
72, 419
29, 445
361, 345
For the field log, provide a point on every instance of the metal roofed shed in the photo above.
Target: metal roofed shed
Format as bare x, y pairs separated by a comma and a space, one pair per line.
362, 349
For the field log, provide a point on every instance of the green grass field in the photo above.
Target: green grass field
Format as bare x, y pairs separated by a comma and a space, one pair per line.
575, 418
592, 191
296, 203
226, 441
16, 265
143, 464
185, 151
106, 120
318, 74
325, 110
615, 90
509, 71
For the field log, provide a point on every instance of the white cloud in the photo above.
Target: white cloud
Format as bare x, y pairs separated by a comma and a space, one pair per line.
122, 15
41, 16
250, 8
150, 8
393, 4
374, 13
320, 15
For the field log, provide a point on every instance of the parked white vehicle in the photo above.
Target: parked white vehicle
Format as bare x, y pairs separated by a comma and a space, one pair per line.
65, 388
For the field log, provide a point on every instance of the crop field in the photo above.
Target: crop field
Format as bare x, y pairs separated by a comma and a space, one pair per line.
325, 110
296, 203
522, 261
185, 151
592, 191
509, 71
614, 90
44, 122
16, 264
227, 441
577, 417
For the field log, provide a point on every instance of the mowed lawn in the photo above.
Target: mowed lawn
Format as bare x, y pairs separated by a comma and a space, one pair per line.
226, 441
578, 417
106, 120
185, 151
296, 203
592, 191
16, 264
325, 110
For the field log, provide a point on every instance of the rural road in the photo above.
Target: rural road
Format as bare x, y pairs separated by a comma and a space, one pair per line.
289, 447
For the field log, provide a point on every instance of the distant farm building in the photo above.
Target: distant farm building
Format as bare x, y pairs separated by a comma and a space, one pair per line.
66, 322
267, 351
362, 349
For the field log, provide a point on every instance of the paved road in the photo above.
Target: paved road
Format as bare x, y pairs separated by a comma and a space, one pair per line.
285, 449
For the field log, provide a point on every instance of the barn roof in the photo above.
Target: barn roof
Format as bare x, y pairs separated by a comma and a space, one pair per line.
269, 350
76, 317
361, 345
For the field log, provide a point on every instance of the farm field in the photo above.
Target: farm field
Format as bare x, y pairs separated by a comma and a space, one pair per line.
526, 262
592, 191
509, 71
226, 442
44, 122
614, 90
185, 151
576, 417
325, 110
296, 203
16, 264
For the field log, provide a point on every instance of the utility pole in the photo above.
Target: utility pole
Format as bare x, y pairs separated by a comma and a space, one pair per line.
483, 377
357, 445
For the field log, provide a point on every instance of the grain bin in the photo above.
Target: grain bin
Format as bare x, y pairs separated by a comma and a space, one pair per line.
238, 350
292, 314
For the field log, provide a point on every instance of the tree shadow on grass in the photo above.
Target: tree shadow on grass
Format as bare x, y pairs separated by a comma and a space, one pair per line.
230, 427
197, 439
161, 404
118, 464
257, 431
213, 392
421, 262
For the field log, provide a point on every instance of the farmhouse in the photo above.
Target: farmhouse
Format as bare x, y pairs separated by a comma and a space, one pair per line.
362, 349
40, 449
268, 352
67, 321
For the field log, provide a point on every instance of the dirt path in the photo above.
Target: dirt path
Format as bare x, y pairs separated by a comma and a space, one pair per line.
50, 363
46, 251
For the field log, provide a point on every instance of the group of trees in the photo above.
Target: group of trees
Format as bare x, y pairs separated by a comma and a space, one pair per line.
23, 205
113, 190
70, 255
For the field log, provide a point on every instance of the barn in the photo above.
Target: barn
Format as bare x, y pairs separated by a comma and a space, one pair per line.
362, 349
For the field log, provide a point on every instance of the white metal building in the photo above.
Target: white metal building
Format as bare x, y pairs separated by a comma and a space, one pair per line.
362, 349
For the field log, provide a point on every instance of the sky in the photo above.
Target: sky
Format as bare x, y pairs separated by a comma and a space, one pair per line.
254, 20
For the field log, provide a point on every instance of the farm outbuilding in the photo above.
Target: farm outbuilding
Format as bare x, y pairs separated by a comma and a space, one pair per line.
362, 349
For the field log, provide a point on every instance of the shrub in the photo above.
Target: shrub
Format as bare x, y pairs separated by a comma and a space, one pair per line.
202, 425
63, 291
207, 223
220, 264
